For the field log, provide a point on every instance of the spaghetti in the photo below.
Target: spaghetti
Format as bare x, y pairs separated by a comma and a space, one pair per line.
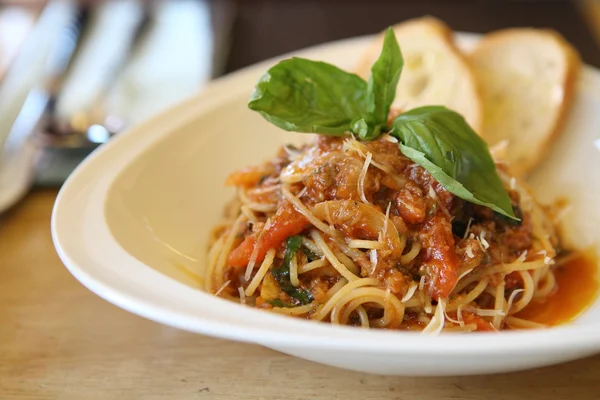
355, 233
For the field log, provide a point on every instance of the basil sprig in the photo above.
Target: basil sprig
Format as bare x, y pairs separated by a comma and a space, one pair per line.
315, 97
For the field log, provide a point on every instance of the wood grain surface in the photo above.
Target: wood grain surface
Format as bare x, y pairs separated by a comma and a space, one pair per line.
60, 341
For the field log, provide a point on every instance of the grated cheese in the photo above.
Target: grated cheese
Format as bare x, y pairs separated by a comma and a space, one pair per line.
469, 252
361, 178
410, 292
432, 193
483, 242
511, 299
437, 322
218, 292
373, 259
359, 148
242, 295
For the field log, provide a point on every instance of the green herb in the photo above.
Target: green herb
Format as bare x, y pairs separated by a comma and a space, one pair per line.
441, 141
511, 221
310, 96
315, 97
282, 273
279, 303
381, 89
292, 245
432, 210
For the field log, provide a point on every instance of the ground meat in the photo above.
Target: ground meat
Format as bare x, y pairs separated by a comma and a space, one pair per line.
320, 182
337, 177
424, 180
346, 180
399, 224
388, 154
482, 212
518, 238
470, 254
396, 281
410, 204
455, 235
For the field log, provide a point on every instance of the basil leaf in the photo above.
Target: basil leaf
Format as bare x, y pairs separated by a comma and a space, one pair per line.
279, 303
310, 96
441, 141
282, 274
360, 127
382, 85
292, 245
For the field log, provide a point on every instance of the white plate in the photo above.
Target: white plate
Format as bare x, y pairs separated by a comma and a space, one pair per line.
140, 208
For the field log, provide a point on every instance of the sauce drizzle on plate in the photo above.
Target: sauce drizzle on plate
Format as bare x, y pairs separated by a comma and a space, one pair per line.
576, 290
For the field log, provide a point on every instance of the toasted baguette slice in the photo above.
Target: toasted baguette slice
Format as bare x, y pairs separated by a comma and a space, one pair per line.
527, 79
435, 72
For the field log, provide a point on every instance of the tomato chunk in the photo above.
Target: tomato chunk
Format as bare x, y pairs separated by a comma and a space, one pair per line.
441, 261
247, 177
285, 223
240, 256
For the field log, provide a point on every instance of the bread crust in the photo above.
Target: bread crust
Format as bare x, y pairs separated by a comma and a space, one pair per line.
569, 82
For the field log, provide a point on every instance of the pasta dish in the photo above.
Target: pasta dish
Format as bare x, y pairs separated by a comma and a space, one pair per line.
355, 233
385, 218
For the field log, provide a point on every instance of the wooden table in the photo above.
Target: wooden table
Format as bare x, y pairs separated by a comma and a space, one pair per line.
60, 341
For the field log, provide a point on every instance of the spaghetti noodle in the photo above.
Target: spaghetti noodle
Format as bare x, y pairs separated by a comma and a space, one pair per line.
355, 233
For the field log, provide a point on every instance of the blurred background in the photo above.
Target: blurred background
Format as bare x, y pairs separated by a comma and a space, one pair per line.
73, 74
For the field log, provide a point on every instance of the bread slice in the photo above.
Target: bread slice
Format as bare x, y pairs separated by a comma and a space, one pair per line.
435, 72
527, 79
